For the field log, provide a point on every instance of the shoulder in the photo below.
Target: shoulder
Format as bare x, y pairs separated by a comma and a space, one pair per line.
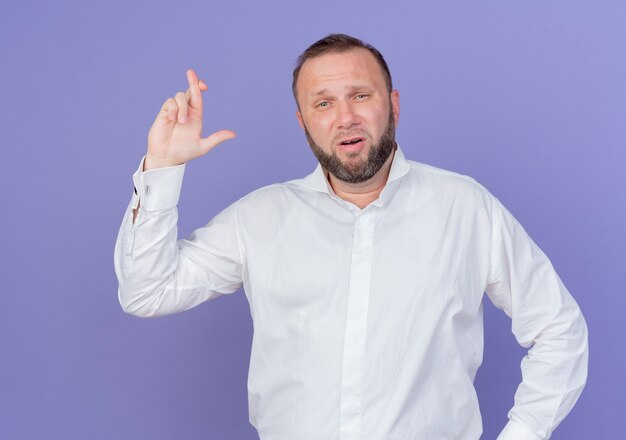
444, 182
275, 192
274, 202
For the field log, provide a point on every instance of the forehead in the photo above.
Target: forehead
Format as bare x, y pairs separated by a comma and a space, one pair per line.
340, 69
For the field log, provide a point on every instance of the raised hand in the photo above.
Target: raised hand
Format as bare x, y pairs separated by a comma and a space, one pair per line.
176, 134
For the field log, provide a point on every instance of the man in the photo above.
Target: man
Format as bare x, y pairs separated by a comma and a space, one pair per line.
365, 279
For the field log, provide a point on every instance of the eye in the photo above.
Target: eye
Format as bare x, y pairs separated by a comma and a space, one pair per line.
361, 96
322, 104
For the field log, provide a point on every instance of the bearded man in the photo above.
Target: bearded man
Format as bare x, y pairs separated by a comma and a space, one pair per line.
365, 279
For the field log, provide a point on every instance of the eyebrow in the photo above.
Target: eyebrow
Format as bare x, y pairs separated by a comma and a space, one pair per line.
350, 88
321, 92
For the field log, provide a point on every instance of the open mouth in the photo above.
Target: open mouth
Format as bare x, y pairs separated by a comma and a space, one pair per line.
352, 141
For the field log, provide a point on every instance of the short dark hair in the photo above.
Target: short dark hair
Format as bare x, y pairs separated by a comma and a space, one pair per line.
338, 43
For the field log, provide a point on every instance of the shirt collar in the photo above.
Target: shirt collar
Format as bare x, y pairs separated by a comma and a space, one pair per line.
318, 181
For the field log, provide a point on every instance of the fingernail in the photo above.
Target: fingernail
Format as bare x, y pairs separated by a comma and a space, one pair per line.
182, 119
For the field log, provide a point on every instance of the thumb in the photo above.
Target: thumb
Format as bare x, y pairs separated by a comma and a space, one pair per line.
215, 139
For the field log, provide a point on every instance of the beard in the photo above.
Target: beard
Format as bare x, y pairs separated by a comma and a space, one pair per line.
353, 171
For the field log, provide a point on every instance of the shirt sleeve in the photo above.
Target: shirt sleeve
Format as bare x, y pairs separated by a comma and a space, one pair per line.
158, 274
546, 320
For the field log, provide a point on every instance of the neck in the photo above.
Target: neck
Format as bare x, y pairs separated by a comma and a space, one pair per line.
364, 193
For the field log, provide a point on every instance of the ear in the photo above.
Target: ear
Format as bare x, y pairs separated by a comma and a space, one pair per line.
300, 121
395, 105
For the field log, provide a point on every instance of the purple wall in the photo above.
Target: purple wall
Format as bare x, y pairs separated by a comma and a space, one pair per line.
527, 97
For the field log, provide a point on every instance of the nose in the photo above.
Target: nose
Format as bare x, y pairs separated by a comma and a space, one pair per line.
346, 115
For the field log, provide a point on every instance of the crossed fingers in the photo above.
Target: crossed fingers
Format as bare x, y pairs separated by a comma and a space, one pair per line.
178, 108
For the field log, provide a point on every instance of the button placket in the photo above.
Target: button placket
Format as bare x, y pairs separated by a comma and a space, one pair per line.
353, 373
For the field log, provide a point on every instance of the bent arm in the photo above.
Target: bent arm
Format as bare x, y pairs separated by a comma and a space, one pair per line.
160, 275
545, 319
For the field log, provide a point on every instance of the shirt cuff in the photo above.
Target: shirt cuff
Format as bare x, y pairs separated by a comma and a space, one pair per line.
515, 431
159, 188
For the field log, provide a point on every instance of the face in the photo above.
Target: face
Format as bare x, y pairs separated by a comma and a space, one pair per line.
347, 113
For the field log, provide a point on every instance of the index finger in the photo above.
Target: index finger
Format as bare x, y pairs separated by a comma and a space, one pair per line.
194, 89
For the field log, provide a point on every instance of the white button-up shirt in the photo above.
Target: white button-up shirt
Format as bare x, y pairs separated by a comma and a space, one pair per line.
368, 323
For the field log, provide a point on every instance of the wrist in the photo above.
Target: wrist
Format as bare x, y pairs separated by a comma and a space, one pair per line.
153, 162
